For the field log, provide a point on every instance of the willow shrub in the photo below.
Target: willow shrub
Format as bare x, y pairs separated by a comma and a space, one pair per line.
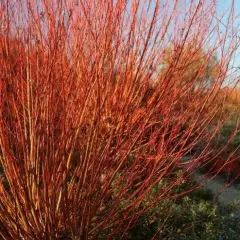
91, 116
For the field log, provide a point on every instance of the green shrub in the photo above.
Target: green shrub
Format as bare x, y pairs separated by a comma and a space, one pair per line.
193, 217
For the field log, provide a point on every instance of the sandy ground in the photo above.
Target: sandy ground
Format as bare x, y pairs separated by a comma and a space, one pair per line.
218, 185
224, 194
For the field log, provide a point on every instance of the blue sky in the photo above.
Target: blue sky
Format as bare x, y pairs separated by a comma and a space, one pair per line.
223, 5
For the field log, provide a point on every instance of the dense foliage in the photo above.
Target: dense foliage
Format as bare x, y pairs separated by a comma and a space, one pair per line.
195, 216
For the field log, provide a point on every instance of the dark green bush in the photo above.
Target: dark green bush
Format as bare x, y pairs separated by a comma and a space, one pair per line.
192, 217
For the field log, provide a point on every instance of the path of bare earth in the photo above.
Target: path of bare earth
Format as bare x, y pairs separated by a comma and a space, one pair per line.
218, 185
225, 194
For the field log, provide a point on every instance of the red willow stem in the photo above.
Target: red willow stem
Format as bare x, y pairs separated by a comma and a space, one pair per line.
100, 101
